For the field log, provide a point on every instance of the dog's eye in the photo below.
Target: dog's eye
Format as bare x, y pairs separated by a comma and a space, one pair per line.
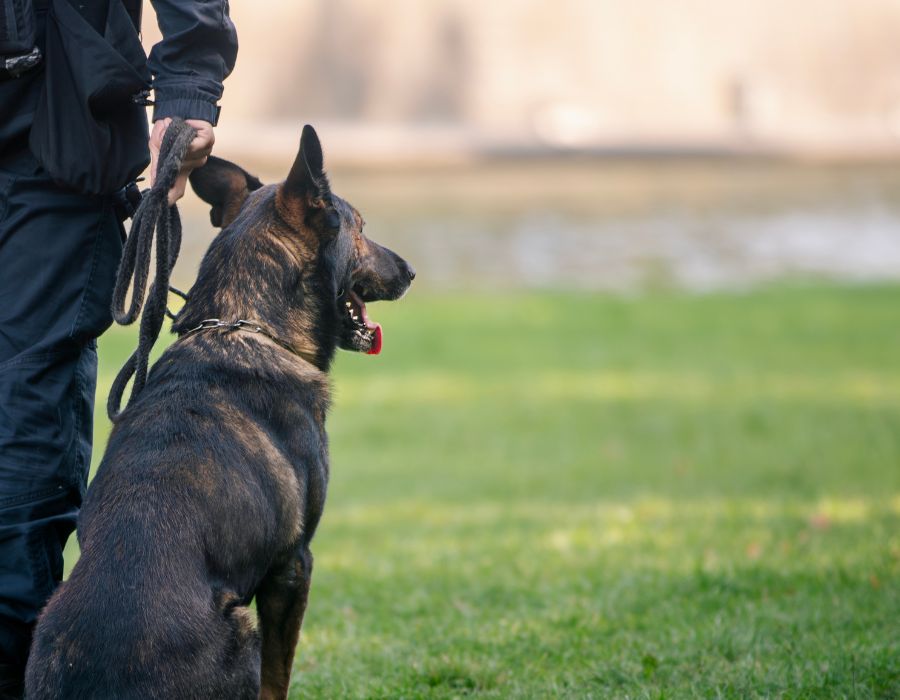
332, 220
340, 292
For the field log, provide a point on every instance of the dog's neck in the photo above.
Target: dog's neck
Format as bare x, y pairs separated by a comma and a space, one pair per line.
240, 326
276, 293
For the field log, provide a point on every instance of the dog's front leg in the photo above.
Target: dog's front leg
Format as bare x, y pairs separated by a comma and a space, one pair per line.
281, 602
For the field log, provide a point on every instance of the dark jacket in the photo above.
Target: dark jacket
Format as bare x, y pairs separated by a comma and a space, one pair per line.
197, 52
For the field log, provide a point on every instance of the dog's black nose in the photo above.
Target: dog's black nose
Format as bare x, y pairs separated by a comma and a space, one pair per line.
411, 271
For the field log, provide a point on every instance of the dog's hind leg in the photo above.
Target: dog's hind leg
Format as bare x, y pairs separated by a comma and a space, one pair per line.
237, 673
281, 602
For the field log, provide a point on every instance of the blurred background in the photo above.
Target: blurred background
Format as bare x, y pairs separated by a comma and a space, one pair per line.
635, 432
600, 145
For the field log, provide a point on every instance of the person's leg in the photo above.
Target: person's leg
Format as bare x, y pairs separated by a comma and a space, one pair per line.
58, 256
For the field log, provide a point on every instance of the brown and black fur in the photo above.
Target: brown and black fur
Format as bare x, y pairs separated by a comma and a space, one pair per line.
214, 479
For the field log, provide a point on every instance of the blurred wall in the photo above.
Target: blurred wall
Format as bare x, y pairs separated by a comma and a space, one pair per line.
446, 75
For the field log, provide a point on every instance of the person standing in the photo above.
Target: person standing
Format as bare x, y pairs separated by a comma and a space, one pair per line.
73, 134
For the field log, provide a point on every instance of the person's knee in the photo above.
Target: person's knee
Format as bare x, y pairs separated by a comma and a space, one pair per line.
46, 420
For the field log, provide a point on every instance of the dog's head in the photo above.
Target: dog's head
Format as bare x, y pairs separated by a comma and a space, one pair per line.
302, 243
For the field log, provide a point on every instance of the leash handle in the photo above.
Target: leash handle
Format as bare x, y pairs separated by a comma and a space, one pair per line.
154, 218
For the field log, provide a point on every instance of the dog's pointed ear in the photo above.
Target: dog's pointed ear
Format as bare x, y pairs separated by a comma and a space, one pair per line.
225, 186
307, 182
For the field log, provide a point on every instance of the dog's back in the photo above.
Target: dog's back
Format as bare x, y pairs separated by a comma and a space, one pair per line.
192, 503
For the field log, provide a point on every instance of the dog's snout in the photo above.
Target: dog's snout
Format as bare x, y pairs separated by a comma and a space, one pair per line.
411, 272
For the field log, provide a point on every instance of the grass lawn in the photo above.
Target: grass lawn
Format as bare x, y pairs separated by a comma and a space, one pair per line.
577, 496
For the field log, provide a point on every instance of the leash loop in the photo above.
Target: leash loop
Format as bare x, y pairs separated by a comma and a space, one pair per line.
156, 221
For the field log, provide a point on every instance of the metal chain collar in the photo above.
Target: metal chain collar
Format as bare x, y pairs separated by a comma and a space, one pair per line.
206, 323
249, 326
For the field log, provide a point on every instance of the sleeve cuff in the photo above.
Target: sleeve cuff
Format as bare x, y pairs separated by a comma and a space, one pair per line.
186, 108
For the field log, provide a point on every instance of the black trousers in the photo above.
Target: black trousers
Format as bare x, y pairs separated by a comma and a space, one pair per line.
58, 257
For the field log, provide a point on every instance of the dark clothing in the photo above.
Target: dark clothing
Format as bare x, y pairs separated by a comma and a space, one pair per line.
58, 255
59, 251
19, 98
197, 52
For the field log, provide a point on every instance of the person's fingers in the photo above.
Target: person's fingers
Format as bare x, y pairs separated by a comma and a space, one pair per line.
199, 163
177, 191
180, 186
195, 161
202, 144
200, 147
197, 153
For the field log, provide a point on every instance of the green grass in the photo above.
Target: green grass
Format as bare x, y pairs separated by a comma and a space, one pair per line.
576, 496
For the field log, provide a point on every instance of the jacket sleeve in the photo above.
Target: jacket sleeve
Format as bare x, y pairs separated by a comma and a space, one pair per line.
197, 51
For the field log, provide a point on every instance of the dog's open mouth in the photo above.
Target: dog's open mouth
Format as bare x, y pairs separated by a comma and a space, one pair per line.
360, 332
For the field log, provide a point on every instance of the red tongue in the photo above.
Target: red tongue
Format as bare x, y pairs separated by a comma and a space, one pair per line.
376, 342
370, 325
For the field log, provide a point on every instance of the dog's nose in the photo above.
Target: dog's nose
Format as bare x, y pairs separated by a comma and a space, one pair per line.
411, 271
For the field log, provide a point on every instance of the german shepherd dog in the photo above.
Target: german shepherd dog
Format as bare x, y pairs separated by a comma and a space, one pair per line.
214, 479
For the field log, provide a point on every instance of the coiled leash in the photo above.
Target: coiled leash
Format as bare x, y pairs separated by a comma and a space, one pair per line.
153, 216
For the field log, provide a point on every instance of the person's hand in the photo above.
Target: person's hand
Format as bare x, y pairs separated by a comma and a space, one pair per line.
196, 155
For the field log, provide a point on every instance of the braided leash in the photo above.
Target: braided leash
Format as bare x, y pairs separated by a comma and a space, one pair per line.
154, 216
